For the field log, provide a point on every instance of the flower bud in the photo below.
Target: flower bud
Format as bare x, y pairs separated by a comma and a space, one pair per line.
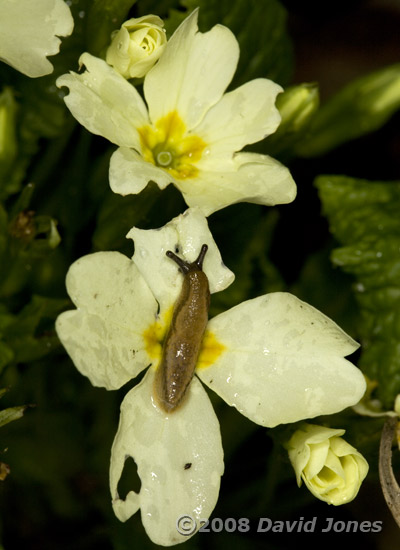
361, 107
296, 105
137, 46
332, 469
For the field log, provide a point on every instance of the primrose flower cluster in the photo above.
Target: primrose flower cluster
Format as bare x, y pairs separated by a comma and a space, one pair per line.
274, 358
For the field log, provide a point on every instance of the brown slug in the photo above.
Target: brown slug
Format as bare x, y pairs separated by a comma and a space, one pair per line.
185, 334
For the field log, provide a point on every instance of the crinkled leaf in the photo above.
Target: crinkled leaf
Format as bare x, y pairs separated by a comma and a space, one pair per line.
364, 217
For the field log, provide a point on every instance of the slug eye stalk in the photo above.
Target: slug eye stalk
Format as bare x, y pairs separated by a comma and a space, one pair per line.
184, 266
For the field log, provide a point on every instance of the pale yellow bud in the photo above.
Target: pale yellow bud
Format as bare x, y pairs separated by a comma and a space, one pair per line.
332, 469
137, 46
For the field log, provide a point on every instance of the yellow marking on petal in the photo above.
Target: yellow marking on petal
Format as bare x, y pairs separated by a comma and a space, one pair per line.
155, 333
211, 349
168, 145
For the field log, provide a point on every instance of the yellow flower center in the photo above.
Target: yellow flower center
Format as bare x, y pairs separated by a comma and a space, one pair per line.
168, 145
155, 334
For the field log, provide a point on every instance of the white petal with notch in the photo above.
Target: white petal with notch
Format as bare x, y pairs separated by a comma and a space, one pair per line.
183, 235
104, 335
179, 458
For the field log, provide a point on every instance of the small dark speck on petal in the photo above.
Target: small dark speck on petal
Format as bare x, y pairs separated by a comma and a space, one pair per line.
187, 466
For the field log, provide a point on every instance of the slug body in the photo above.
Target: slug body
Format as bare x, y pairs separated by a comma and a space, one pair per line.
184, 337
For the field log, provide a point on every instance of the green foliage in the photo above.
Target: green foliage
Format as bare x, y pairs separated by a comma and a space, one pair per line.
246, 253
259, 26
25, 237
103, 17
56, 206
364, 218
10, 414
360, 107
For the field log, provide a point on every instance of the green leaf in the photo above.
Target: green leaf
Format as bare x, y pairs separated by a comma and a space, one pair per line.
359, 108
10, 414
364, 217
259, 26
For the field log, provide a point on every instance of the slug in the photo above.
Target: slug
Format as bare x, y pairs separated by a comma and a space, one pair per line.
185, 334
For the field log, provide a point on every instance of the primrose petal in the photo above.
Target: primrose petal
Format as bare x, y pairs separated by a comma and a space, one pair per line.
29, 33
239, 118
193, 72
283, 361
183, 235
248, 177
104, 102
105, 334
179, 458
130, 173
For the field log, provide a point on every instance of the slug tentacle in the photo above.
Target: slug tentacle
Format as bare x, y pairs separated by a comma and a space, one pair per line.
185, 334
184, 266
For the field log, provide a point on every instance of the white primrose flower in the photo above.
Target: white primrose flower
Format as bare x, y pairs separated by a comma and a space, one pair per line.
330, 467
29, 31
275, 358
137, 45
190, 131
